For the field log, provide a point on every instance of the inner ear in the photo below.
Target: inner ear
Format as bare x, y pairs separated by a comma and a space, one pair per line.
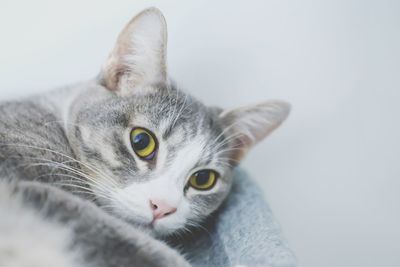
251, 124
139, 55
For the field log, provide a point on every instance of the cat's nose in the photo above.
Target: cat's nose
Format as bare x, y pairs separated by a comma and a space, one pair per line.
161, 208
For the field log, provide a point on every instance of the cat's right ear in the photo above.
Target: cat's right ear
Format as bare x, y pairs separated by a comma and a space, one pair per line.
139, 56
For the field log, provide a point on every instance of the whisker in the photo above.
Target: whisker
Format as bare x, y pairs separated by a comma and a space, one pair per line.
63, 155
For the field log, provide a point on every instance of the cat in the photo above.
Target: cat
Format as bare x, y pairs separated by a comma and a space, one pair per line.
99, 171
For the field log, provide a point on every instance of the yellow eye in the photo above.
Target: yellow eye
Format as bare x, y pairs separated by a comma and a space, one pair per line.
143, 143
203, 180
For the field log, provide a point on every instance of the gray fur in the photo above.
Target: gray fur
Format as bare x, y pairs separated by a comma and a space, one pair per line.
96, 239
77, 139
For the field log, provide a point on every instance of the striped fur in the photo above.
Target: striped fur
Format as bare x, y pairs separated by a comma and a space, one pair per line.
77, 139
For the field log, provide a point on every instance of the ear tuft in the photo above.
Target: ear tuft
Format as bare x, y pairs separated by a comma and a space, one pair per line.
251, 124
139, 56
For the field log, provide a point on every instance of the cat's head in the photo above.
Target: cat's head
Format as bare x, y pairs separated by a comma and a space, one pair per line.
154, 155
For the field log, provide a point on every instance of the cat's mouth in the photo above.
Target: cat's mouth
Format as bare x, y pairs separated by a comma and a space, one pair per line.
146, 227
155, 227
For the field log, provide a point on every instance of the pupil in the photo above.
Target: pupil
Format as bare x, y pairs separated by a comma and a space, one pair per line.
202, 177
141, 141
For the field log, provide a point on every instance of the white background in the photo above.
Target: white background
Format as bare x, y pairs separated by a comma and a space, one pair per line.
332, 172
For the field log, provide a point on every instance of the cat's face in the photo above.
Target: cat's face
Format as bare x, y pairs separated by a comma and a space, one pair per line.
154, 155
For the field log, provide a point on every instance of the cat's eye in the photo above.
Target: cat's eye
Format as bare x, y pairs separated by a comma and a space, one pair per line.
203, 180
143, 143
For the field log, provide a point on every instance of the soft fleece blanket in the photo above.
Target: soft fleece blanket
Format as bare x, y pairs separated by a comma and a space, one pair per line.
242, 233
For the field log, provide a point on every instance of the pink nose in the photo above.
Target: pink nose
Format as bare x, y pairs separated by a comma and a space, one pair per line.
161, 209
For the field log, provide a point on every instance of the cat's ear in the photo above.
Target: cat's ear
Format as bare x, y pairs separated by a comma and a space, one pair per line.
139, 56
249, 125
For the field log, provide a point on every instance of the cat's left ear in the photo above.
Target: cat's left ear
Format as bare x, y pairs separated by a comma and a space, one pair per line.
139, 56
249, 125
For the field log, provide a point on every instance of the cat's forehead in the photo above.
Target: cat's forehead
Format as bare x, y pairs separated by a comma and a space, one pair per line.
170, 112
181, 123
176, 118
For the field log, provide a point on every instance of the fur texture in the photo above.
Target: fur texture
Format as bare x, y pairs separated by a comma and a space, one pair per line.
78, 139
44, 226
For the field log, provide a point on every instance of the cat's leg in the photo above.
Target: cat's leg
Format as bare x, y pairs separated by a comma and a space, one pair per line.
97, 239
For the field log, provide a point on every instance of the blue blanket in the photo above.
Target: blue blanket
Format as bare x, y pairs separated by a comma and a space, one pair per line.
242, 233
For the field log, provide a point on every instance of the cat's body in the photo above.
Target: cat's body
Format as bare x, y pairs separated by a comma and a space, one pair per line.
45, 226
152, 158
28, 124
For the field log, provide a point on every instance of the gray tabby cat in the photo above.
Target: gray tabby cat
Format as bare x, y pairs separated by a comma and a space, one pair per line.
92, 174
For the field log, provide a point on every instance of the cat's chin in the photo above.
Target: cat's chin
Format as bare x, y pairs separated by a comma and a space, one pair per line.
155, 230
163, 232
